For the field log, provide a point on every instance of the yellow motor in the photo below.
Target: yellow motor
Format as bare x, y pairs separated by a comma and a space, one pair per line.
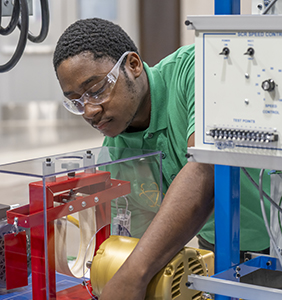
168, 284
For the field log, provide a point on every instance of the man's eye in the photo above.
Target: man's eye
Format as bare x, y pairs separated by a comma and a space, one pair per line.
93, 93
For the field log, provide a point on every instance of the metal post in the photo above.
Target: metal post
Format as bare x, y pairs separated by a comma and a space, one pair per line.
226, 7
227, 192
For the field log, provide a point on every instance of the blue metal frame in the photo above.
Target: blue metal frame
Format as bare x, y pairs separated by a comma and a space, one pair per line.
227, 7
227, 192
227, 217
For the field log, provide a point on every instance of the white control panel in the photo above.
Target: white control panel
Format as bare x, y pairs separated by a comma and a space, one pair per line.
238, 88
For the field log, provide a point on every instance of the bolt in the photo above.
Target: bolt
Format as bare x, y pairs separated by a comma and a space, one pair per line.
247, 101
96, 199
238, 269
88, 264
269, 263
70, 208
83, 203
187, 23
188, 284
260, 6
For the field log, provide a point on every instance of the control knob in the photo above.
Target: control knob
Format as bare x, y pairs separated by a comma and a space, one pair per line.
268, 85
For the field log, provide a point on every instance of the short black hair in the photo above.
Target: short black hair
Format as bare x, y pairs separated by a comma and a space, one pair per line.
98, 36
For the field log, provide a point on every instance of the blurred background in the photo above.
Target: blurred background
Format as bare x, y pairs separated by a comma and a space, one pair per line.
33, 122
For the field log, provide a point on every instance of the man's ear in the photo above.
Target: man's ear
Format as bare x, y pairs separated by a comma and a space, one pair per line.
135, 64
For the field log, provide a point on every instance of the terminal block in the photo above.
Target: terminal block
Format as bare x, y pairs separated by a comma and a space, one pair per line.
243, 135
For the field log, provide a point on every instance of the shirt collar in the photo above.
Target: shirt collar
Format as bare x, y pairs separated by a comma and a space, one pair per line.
158, 95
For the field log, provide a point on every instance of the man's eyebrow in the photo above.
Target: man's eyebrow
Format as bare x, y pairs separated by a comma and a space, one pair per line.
83, 84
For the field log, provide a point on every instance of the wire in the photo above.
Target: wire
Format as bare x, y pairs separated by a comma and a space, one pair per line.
264, 193
73, 220
265, 217
269, 7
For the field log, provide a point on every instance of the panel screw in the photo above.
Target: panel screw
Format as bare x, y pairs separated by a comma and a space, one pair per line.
83, 203
70, 208
96, 199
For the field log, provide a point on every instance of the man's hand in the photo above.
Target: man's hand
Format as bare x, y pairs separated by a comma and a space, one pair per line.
124, 286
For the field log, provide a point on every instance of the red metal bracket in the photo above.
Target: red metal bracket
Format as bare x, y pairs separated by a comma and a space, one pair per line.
81, 192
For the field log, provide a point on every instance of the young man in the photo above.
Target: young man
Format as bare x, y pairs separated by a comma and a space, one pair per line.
104, 80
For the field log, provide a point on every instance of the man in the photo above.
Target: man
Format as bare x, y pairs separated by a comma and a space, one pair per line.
104, 80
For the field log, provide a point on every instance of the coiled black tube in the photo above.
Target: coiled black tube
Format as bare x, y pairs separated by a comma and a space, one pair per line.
45, 17
14, 20
22, 40
20, 17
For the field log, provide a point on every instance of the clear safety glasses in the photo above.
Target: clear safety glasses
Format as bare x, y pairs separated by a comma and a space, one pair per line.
98, 93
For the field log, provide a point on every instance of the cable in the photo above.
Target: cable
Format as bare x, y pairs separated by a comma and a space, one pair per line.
264, 193
45, 17
14, 20
269, 7
20, 17
22, 40
265, 217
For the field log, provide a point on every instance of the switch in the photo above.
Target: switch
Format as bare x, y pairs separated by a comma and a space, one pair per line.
225, 51
250, 51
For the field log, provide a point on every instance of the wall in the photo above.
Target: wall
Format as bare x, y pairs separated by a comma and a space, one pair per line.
31, 90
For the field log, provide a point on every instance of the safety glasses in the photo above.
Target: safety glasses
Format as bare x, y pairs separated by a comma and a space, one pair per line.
98, 93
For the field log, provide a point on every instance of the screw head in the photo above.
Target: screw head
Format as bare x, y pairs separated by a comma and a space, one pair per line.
96, 199
70, 208
83, 203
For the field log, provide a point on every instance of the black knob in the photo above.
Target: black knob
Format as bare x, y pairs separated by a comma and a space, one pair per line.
250, 51
268, 85
225, 51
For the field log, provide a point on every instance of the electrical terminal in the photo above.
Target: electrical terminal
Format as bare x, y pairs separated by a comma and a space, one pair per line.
242, 135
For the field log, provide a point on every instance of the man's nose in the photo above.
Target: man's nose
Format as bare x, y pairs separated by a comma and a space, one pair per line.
90, 110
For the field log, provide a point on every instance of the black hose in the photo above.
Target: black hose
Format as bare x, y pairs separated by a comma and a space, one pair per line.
45, 17
22, 40
14, 20
0, 12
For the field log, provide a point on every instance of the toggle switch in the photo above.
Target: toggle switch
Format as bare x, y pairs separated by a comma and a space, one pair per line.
250, 51
225, 51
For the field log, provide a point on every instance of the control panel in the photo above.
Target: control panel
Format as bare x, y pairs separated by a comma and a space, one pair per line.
238, 88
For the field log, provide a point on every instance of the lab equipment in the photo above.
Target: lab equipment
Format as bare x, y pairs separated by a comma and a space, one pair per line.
78, 183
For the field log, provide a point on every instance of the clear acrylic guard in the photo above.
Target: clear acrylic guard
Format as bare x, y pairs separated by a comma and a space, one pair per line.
51, 207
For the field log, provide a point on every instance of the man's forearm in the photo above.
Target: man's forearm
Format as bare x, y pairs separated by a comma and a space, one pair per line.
186, 207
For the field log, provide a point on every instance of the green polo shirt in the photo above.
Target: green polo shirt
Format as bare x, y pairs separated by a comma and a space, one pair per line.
172, 122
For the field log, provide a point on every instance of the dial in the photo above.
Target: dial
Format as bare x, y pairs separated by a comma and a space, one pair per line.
268, 85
